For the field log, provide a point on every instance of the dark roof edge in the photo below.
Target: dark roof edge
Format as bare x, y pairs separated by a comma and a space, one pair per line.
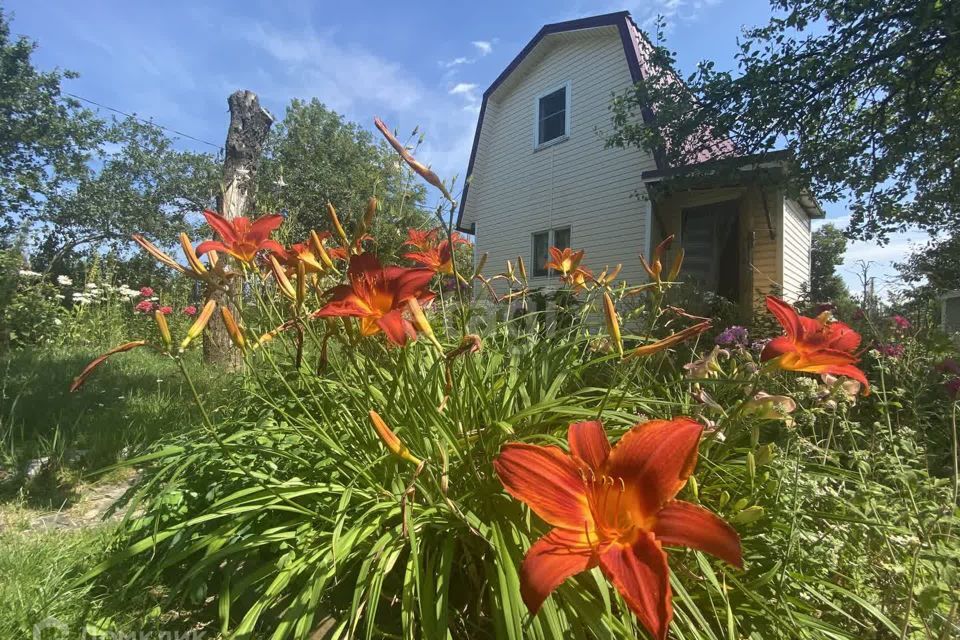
780, 157
617, 19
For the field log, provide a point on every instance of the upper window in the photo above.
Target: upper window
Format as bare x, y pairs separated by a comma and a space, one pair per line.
553, 115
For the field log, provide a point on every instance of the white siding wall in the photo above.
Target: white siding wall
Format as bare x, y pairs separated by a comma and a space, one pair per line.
516, 191
795, 248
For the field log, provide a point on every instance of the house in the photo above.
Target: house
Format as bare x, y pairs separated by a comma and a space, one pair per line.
540, 174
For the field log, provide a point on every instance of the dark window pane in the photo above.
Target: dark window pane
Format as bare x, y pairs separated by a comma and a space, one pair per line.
553, 103
540, 243
552, 116
561, 238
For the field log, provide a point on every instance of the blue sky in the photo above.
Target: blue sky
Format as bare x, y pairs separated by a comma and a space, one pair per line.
422, 63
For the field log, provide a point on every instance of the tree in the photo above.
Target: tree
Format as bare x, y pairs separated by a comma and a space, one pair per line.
863, 94
314, 156
138, 183
827, 247
931, 271
45, 138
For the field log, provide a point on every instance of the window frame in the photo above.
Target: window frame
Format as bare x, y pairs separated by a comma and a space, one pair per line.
539, 271
537, 145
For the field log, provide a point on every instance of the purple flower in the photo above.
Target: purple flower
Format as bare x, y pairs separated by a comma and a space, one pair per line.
891, 350
734, 336
949, 365
953, 387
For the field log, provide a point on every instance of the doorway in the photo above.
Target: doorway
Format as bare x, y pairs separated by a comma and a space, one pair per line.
710, 237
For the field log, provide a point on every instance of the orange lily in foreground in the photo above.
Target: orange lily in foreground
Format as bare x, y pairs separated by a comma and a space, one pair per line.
614, 508
434, 251
378, 296
241, 238
813, 345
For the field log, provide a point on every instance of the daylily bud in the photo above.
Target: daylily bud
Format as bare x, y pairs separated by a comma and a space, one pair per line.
301, 282
523, 270
191, 255
161, 321
337, 226
613, 324
751, 466
421, 323
233, 328
765, 454
390, 439
724, 499
425, 172
481, 264
199, 324
364, 225
283, 283
671, 340
754, 435
748, 515
675, 267
154, 251
740, 504
694, 487
320, 250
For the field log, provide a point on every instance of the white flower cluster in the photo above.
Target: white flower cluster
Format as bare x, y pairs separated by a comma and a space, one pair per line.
127, 292
26, 273
64, 281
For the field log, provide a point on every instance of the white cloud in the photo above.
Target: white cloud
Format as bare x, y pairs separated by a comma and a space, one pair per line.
360, 83
483, 46
343, 76
465, 88
455, 62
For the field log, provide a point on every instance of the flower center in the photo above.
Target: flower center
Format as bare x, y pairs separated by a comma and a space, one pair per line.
615, 507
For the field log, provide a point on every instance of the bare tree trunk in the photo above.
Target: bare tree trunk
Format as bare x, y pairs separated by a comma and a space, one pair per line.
249, 125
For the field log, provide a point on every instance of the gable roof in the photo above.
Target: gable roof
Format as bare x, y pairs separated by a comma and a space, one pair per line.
628, 36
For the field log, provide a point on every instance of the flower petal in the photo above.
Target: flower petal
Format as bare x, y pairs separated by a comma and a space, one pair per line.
641, 575
786, 315
683, 524
271, 245
398, 329
410, 283
343, 303
552, 559
850, 371
211, 245
221, 225
264, 226
777, 347
843, 338
656, 458
548, 481
588, 441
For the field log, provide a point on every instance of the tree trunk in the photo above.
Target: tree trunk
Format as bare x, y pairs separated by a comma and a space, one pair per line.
249, 125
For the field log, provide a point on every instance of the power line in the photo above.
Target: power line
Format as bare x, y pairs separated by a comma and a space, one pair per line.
144, 121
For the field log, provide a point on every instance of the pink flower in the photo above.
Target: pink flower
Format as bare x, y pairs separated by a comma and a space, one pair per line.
146, 292
901, 322
190, 310
953, 387
144, 306
166, 310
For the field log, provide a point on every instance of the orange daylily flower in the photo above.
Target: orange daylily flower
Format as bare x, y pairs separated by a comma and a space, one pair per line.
378, 295
421, 169
614, 508
241, 238
813, 345
565, 261
434, 249
305, 253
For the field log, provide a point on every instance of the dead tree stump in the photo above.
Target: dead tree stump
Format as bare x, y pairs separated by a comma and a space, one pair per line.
249, 126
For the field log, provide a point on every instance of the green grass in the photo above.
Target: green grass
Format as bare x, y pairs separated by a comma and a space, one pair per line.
36, 569
132, 400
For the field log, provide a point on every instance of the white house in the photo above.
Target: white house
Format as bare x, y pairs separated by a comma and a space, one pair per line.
540, 175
